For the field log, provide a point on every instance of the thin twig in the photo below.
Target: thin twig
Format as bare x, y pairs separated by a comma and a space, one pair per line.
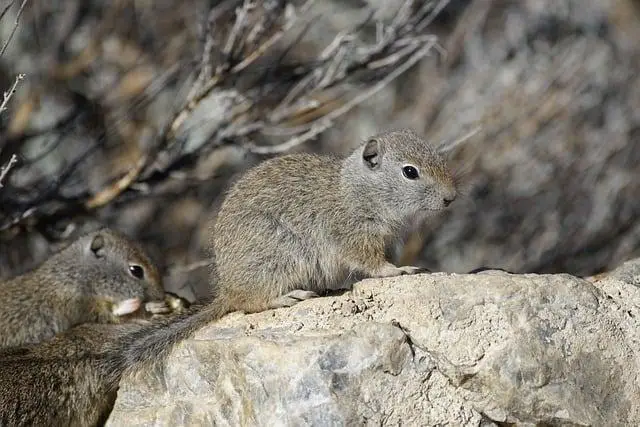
435, 12
431, 42
338, 40
240, 23
6, 168
322, 124
191, 105
294, 94
334, 67
205, 66
6, 9
402, 15
448, 146
8, 94
111, 192
15, 27
391, 59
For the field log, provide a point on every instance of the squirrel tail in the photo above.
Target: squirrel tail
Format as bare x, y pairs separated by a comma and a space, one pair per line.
153, 342
72, 379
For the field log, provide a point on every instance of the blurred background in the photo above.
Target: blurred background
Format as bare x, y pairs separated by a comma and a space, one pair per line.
138, 114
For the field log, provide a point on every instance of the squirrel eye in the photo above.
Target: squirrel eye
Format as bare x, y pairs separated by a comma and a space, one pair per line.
410, 172
136, 271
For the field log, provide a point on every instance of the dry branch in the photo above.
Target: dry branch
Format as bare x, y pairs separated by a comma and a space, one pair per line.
4, 170
15, 25
246, 90
313, 129
8, 94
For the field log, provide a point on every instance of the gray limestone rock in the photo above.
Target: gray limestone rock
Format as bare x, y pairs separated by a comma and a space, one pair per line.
414, 350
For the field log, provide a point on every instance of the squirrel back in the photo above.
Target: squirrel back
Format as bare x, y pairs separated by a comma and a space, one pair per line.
99, 277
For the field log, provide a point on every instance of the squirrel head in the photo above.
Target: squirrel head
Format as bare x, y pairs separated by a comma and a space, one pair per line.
401, 175
110, 267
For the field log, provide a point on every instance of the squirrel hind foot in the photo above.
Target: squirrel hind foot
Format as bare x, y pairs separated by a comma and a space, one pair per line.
292, 298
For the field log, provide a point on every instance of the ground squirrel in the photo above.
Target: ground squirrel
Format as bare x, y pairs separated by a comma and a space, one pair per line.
292, 226
100, 277
301, 223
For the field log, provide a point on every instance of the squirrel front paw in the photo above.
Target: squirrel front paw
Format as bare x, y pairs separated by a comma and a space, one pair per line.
172, 304
157, 307
390, 270
292, 298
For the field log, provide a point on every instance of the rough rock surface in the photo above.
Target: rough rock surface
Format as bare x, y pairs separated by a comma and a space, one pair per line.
414, 350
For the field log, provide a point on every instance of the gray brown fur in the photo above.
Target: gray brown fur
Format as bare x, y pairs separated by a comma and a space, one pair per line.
88, 281
61, 382
291, 226
298, 224
72, 379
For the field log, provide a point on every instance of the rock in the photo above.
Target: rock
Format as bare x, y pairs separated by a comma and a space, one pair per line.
414, 350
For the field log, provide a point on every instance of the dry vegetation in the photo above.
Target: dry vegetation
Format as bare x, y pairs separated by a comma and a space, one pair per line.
137, 114
6, 97
131, 108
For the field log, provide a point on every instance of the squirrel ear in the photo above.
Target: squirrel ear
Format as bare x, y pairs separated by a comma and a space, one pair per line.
97, 246
372, 154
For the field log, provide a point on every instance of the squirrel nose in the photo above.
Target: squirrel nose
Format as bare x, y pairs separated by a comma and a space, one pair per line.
448, 200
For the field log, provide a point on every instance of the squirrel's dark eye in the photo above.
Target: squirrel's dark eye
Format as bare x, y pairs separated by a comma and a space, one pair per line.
136, 271
410, 172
